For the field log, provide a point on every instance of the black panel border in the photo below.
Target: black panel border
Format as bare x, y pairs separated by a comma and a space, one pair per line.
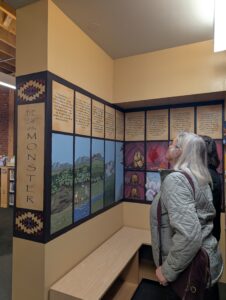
48, 77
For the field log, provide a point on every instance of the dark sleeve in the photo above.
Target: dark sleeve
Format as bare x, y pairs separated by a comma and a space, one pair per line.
217, 194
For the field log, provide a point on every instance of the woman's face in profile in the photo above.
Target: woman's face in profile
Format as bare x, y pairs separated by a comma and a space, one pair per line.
173, 152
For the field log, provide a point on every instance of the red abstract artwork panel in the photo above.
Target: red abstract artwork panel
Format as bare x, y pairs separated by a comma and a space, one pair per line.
156, 155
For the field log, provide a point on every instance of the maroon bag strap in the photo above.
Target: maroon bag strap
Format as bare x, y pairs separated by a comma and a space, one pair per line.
159, 214
189, 180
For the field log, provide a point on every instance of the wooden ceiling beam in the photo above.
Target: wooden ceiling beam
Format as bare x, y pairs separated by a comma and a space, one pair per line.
4, 59
11, 29
3, 55
7, 21
7, 9
7, 67
8, 60
4, 71
2, 17
7, 37
11, 62
6, 49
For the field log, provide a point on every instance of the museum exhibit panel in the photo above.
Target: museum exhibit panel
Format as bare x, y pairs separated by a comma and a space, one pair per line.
92, 135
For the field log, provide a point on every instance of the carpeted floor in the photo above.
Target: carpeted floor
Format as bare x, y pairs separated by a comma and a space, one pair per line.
6, 233
148, 290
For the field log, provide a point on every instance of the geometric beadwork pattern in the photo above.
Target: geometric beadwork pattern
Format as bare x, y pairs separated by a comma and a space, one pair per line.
29, 222
31, 90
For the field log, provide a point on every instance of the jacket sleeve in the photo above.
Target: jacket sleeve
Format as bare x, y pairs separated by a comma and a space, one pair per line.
217, 194
178, 199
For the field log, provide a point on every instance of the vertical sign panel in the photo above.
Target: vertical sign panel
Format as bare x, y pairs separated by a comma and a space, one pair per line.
134, 126
62, 107
109, 122
61, 181
157, 125
109, 173
209, 121
119, 181
181, 119
30, 156
82, 178
97, 119
119, 126
82, 114
97, 175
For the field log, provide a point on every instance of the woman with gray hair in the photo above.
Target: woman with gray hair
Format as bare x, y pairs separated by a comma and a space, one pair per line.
186, 215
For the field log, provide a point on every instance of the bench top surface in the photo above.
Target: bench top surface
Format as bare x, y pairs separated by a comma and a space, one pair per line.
91, 278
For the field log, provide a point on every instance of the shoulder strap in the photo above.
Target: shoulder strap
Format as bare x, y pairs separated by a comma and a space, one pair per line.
159, 214
189, 180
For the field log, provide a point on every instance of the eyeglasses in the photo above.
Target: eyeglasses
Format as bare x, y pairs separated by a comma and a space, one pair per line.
172, 145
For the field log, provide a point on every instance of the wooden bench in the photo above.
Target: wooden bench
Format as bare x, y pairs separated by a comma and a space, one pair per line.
112, 271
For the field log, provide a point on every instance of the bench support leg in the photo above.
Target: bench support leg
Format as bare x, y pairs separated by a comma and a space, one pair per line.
131, 272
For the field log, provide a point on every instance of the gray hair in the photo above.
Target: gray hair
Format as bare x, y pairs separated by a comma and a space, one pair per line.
193, 156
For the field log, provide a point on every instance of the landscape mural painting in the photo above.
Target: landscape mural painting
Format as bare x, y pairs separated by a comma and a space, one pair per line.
134, 155
119, 172
156, 155
97, 175
61, 181
82, 178
153, 183
134, 185
109, 188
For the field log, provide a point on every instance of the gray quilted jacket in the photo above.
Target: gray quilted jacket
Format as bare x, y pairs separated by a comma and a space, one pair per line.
186, 226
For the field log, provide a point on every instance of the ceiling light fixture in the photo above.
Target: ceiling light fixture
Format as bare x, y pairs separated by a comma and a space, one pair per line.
219, 26
7, 85
7, 80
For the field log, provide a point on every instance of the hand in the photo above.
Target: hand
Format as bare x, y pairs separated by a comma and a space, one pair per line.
162, 280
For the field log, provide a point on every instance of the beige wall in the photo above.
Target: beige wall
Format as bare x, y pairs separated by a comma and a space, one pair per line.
48, 40
136, 215
64, 252
28, 270
37, 266
75, 57
31, 38
185, 70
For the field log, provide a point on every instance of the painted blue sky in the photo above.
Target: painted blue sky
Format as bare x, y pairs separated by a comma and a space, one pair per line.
119, 172
119, 153
98, 147
109, 151
82, 147
153, 176
62, 148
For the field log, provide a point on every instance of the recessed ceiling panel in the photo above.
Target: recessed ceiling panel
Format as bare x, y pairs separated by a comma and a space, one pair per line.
129, 27
19, 3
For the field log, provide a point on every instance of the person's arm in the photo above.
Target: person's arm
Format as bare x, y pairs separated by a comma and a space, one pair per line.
217, 194
178, 198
